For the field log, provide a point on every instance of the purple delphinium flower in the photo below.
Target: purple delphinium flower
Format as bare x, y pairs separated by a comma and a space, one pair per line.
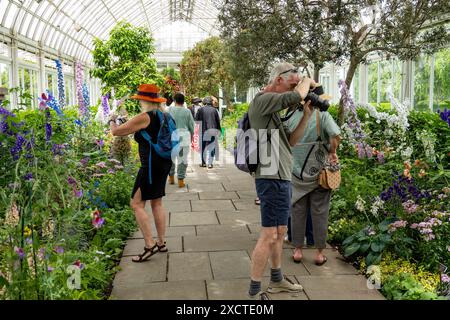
50, 269
71, 181
28, 240
84, 161
20, 252
28, 176
78, 193
59, 250
41, 253
17, 147
48, 131
58, 149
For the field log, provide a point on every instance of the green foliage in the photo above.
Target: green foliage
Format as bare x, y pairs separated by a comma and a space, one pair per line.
124, 61
55, 207
205, 68
405, 287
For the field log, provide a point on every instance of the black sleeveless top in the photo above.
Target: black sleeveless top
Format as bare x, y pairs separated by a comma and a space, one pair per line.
144, 146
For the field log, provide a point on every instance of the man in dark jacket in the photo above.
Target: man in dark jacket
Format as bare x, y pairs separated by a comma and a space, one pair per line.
210, 128
195, 107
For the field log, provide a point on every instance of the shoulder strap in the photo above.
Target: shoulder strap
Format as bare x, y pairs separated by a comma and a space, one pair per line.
318, 125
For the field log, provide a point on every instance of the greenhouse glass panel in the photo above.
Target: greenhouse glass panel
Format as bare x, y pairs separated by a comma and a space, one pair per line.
385, 81
372, 82
28, 83
4, 75
422, 82
11, 16
4, 50
52, 83
28, 57
441, 92
396, 78
355, 84
3, 7
69, 90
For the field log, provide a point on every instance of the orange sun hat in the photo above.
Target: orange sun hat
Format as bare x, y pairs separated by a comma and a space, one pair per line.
148, 92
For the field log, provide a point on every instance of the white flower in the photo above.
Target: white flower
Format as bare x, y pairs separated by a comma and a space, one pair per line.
360, 204
376, 206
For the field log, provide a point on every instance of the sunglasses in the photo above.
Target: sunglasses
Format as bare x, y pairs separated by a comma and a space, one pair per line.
290, 70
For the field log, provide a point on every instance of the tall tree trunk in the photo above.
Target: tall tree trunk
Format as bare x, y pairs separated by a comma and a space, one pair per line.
354, 62
316, 74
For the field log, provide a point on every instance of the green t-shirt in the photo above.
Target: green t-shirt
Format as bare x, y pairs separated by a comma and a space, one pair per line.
183, 120
263, 113
328, 129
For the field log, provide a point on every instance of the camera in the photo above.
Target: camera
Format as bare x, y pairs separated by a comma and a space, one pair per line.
316, 100
121, 120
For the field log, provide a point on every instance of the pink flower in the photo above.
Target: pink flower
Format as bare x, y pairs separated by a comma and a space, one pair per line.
101, 164
410, 206
118, 167
414, 226
79, 264
111, 171
97, 220
445, 278
20, 252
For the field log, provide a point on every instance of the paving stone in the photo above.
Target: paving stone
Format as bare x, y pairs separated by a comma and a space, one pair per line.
243, 186
206, 187
189, 266
289, 267
237, 289
135, 246
219, 243
238, 218
246, 204
255, 228
172, 290
135, 274
205, 205
173, 188
225, 230
230, 264
218, 195
181, 196
177, 205
247, 195
193, 218
171, 232
334, 265
340, 287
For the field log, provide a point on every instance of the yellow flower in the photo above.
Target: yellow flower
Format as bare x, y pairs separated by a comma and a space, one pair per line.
27, 232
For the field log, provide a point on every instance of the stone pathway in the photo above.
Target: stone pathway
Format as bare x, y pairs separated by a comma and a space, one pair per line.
212, 228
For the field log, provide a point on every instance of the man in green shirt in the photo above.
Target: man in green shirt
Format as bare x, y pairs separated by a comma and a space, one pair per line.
274, 171
185, 127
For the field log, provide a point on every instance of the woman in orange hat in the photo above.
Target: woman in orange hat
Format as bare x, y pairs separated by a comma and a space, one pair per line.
152, 176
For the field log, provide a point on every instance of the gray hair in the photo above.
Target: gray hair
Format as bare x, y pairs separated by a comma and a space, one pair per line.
279, 68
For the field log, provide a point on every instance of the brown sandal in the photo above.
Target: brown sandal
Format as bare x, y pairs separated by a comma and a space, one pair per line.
148, 252
162, 248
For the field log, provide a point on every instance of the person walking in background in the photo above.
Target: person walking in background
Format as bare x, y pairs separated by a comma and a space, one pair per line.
210, 131
195, 106
152, 176
185, 127
318, 146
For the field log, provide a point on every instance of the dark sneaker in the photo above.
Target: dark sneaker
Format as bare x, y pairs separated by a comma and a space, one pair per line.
210, 166
285, 285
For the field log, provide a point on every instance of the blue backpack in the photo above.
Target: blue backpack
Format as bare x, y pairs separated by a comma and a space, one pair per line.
167, 142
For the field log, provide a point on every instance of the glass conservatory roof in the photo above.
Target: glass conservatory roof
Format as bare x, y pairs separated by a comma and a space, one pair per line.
69, 26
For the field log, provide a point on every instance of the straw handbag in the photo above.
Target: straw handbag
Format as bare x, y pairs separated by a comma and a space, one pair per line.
330, 175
